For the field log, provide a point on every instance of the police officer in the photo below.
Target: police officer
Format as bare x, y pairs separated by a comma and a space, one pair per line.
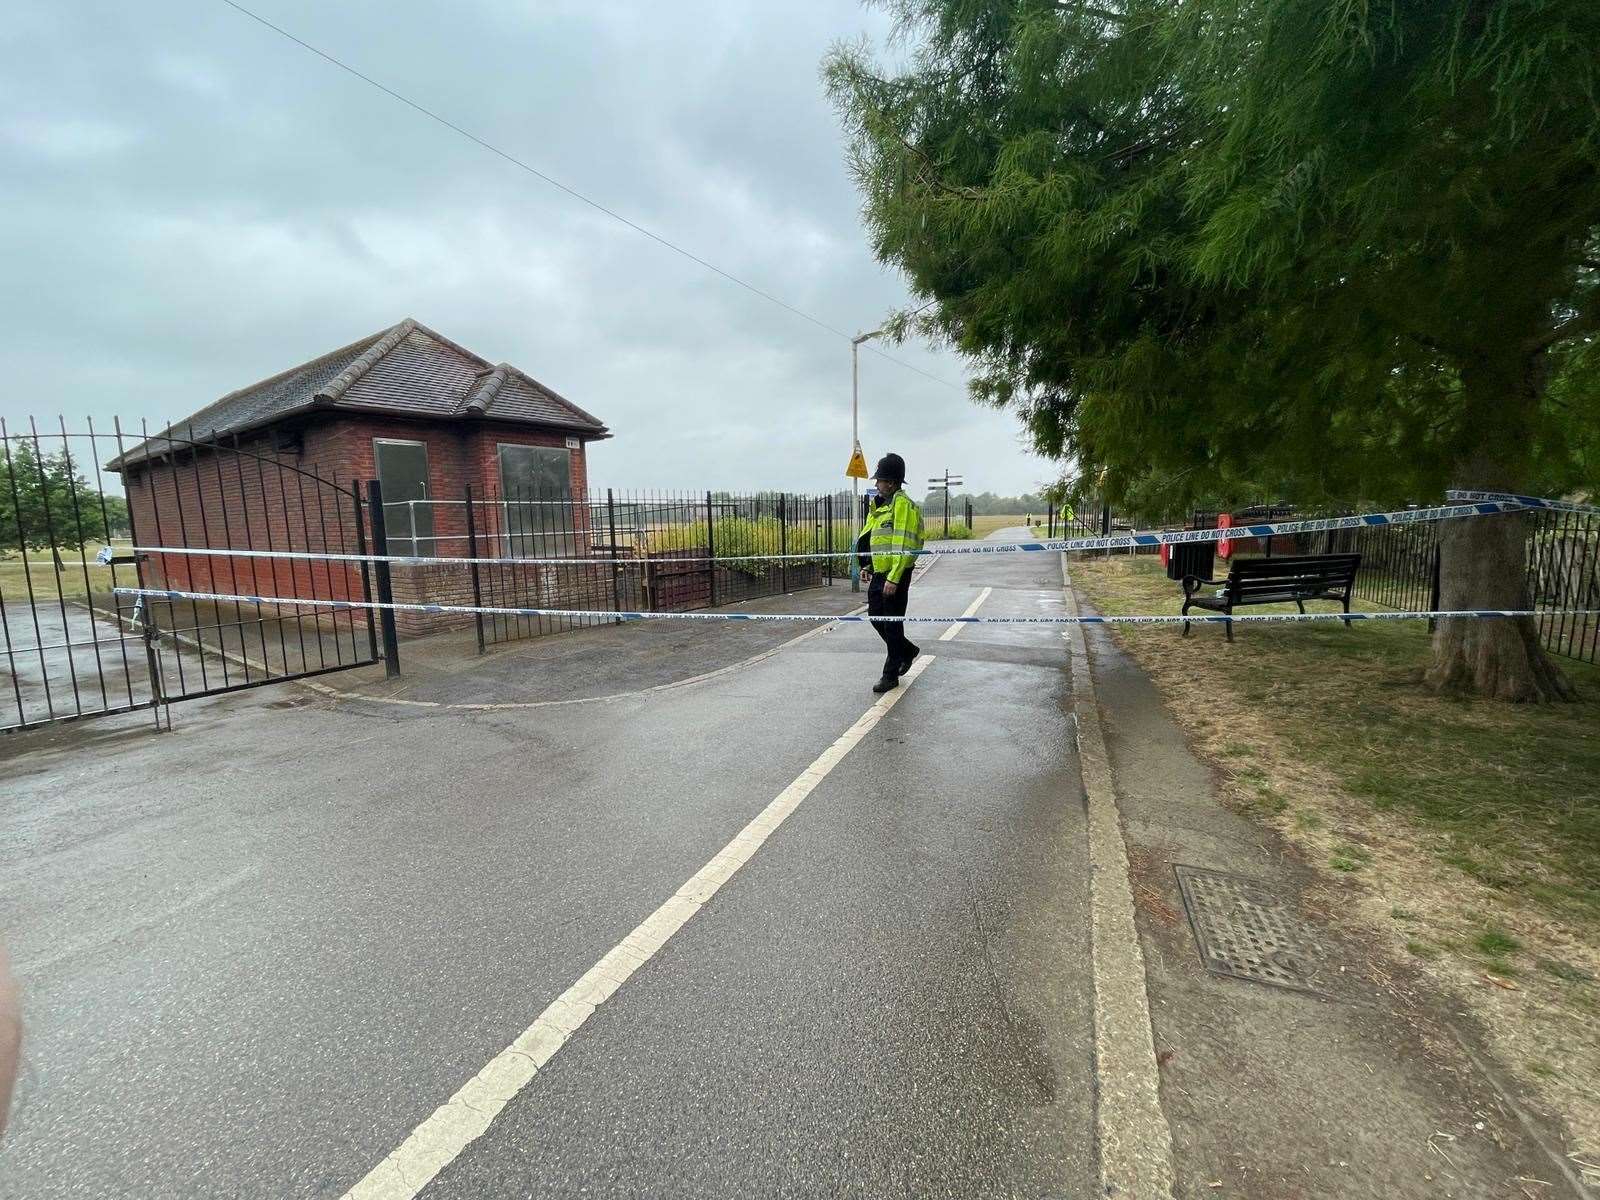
892, 536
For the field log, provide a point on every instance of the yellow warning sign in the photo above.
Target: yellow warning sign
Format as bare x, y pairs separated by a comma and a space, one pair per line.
858, 465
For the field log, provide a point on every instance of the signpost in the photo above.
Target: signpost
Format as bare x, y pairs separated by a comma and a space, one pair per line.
943, 484
858, 464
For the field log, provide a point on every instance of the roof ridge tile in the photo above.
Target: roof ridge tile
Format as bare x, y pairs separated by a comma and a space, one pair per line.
491, 380
374, 354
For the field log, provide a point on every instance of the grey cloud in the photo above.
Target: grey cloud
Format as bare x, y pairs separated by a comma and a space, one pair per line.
193, 203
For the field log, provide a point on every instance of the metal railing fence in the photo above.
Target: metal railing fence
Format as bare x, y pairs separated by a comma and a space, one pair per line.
629, 550
70, 647
1400, 566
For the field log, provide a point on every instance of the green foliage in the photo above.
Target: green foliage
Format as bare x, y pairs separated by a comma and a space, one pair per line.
1349, 858
1229, 249
984, 504
734, 537
37, 498
1496, 942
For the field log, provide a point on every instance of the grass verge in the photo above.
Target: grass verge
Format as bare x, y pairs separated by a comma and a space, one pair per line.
1467, 831
40, 571
982, 524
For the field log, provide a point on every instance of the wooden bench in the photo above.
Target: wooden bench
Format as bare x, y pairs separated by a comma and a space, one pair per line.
1291, 580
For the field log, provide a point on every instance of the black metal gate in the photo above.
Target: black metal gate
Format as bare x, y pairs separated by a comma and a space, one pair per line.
69, 537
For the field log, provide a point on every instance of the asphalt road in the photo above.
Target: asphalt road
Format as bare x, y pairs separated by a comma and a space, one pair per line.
259, 950
62, 660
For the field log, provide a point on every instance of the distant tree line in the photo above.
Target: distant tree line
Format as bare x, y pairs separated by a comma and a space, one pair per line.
988, 504
37, 496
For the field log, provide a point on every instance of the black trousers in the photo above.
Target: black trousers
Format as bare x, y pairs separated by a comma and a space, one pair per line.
893, 633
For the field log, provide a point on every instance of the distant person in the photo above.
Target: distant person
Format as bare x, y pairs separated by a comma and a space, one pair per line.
892, 536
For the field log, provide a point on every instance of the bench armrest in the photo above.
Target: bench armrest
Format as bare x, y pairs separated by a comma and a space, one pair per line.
1193, 583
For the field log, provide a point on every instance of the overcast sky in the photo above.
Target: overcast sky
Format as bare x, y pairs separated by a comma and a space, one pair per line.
192, 202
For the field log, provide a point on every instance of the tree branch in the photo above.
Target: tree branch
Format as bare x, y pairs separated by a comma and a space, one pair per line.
1585, 320
1089, 10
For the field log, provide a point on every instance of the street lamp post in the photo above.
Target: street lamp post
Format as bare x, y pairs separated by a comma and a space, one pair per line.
855, 440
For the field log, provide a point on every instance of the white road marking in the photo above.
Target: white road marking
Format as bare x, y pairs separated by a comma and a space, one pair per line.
463, 1118
972, 611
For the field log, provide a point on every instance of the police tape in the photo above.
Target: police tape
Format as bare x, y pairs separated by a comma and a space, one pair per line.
1533, 502
859, 618
1119, 541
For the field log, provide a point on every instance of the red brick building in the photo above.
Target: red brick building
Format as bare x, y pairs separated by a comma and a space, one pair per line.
263, 467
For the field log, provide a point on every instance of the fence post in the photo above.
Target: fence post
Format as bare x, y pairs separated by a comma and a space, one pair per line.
616, 580
969, 516
61, 592
1050, 521
366, 571
711, 553
1433, 592
380, 546
814, 504
853, 560
141, 607
827, 512
783, 541
472, 553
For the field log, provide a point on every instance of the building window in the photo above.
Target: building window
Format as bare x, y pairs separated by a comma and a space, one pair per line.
407, 502
536, 493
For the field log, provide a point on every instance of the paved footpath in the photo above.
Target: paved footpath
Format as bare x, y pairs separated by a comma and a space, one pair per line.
260, 951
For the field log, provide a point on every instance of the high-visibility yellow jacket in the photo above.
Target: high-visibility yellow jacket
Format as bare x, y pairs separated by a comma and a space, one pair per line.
894, 531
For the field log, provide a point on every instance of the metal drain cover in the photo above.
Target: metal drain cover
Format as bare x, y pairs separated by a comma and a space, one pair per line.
1248, 931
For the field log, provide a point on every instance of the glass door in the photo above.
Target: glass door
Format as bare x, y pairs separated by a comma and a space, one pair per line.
407, 511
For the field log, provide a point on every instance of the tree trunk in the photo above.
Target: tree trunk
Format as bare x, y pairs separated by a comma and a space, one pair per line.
1483, 560
1483, 565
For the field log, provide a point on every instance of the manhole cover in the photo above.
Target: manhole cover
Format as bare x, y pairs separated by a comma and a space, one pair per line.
1247, 931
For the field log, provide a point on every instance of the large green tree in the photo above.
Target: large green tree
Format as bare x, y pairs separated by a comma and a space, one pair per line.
1342, 248
41, 495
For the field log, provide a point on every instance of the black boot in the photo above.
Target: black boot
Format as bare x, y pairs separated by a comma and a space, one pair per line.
887, 684
905, 663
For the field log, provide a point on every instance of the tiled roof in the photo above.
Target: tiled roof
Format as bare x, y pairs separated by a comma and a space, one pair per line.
407, 370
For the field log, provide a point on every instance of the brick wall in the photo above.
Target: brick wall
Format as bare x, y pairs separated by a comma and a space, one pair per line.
679, 580
298, 498
431, 585
252, 500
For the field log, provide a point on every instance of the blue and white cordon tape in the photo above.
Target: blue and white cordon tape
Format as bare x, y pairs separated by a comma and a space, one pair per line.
1534, 502
860, 618
1464, 504
1119, 541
